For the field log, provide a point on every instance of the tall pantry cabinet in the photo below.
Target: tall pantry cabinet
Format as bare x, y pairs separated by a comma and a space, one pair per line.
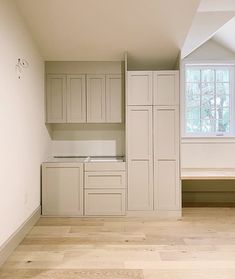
153, 141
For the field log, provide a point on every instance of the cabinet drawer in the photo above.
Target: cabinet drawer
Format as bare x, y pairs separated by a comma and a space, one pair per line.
105, 202
105, 180
105, 166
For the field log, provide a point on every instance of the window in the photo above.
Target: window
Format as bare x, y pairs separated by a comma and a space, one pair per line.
208, 100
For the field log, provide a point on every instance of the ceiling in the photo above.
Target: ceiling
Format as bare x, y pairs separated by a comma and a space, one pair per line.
151, 31
226, 35
214, 19
216, 5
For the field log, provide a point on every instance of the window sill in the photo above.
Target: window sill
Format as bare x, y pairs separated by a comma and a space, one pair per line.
191, 140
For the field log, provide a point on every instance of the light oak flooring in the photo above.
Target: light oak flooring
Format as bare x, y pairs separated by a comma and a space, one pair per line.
201, 245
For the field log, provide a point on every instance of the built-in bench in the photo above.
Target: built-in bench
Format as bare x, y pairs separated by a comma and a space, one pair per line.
208, 187
203, 173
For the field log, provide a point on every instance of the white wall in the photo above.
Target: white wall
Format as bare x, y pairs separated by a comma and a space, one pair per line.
24, 140
208, 153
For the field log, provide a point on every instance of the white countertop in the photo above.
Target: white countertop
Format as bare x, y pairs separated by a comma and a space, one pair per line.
84, 159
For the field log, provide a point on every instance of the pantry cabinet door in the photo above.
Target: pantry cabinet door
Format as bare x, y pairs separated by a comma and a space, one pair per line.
76, 99
139, 132
166, 185
139, 85
140, 185
166, 88
56, 99
114, 98
96, 109
139, 156
62, 189
166, 132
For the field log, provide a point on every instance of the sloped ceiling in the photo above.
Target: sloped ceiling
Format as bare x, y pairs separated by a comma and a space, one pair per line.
151, 31
204, 26
216, 5
226, 35
214, 19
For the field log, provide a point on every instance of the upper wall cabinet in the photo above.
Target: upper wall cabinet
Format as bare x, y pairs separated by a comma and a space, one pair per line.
84, 98
166, 88
139, 88
76, 99
56, 99
114, 98
96, 99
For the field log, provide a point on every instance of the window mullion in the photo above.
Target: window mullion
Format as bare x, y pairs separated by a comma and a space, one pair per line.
200, 86
215, 94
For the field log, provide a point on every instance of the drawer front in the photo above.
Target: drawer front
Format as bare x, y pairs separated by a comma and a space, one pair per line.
105, 166
104, 180
105, 202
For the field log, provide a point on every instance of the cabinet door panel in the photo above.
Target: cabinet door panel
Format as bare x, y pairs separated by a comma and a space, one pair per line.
114, 98
139, 88
62, 190
104, 202
140, 185
167, 185
96, 99
139, 132
166, 88
166, 132
76, 99
56, 99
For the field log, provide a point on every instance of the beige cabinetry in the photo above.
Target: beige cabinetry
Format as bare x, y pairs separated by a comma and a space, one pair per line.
140, 154
114, 98
166, 158
167, 191
76, 99
62, 189
140, 86
105, 189
96, 111
102, 193
56, 99
84, 99
153, 141
166, 88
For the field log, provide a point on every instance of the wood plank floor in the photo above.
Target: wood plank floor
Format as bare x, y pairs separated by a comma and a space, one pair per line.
201, 245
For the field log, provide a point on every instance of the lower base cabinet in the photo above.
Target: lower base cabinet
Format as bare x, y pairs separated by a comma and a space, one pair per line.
62, 189
105, 189
105, 202
78, 189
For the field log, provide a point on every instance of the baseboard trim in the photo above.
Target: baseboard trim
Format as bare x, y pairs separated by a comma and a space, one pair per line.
14, 240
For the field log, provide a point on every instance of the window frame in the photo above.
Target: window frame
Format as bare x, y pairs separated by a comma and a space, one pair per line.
213, 135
